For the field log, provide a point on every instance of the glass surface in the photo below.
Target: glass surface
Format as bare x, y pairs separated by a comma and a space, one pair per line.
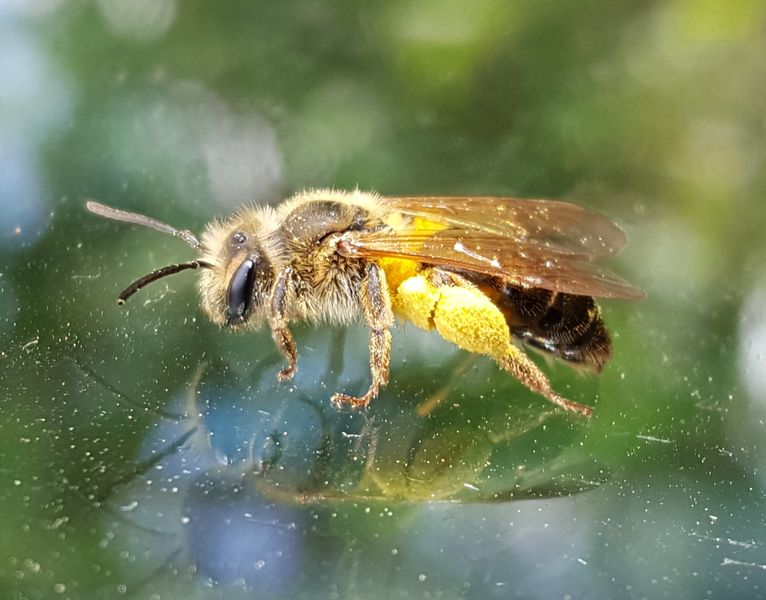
146, 453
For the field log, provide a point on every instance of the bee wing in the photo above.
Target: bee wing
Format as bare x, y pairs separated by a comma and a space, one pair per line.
561, 227
552, 246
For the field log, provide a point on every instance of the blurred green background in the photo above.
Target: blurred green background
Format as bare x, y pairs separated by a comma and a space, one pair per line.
146, 454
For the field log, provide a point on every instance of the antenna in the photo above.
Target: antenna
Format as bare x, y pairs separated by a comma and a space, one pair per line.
124, 216
115, 214
158, 274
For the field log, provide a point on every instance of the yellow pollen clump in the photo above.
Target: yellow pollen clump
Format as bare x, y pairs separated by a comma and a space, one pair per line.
461, 315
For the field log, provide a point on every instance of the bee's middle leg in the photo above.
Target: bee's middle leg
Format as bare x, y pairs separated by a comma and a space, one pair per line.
376, 306
280, 332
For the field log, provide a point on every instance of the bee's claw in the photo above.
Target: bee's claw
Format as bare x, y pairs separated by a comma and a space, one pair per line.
286, 374
341, 400
570, 405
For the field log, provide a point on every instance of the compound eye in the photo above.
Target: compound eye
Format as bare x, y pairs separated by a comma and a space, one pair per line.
240, 294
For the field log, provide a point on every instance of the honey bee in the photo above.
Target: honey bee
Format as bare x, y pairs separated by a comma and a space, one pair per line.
487, 273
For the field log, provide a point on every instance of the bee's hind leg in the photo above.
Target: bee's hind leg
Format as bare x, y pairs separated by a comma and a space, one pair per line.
280, 332
465, 316
376, 306
527, 372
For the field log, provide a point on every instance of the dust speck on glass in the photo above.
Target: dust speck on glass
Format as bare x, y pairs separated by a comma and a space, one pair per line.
147, 453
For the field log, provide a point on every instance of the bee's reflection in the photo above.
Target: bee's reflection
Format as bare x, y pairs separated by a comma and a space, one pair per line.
254, 478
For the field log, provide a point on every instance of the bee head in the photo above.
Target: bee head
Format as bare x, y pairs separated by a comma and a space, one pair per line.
235, 289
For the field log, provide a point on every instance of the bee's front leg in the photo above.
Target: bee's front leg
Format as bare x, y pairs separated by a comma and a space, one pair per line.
376, 306
281, 334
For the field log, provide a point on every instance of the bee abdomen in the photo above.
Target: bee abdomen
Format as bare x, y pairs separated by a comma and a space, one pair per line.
566, 326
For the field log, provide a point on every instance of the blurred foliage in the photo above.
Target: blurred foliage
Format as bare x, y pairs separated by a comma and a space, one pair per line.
651, 112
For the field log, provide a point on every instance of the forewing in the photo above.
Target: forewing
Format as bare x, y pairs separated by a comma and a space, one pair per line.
498, 257
559, 227
537, 243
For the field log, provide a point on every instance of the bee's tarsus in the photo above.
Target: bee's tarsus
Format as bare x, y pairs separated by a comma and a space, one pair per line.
354, 402
286, 374
570, 405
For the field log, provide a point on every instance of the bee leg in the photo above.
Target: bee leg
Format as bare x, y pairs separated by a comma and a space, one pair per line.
464, 315
527, 372
376, 306
280, 332
283, 338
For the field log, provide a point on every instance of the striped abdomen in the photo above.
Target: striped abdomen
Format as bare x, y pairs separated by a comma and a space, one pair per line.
566, 326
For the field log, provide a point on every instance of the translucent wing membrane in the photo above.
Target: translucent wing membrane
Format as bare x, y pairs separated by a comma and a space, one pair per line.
535, 243
560, 227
